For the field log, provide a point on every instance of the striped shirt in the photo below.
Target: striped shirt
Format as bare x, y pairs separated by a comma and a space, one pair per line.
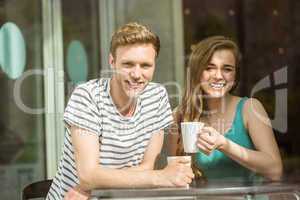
123, 140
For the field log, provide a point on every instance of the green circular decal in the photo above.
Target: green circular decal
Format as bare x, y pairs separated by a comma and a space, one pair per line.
77, 62
12, 50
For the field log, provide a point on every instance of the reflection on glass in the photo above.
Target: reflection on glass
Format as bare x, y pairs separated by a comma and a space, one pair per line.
22, 156
12, 50
80, 21
77, 62
270, 48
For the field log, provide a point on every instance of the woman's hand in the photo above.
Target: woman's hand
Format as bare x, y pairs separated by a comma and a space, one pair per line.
209, 139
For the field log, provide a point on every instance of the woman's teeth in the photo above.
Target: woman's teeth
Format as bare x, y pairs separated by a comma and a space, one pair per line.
217, 85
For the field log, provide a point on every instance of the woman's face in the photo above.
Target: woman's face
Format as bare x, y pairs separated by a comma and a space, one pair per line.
218, 77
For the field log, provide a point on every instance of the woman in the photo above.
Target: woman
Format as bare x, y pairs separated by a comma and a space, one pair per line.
237, 141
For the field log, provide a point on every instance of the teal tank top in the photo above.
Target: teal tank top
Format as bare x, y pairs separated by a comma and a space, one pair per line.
219, 166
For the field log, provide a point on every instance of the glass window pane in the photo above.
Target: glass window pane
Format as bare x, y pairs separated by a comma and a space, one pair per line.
268, 35
22, 155
81, 42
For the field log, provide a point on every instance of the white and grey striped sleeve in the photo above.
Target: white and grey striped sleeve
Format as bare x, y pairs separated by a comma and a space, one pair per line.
164, 114
82, 111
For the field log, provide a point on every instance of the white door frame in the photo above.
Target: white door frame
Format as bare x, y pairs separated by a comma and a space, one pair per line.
53, 83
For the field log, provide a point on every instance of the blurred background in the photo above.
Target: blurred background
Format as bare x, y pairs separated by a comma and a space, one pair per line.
49, 46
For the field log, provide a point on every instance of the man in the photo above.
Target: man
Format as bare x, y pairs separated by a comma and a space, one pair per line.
115, 126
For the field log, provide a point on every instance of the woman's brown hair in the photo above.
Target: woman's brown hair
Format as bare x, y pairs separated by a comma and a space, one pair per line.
192, 103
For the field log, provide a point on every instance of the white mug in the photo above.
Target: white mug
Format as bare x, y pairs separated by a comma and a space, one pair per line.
189, 132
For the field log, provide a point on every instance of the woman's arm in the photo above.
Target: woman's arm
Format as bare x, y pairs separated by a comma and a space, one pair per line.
266, 159
92, 175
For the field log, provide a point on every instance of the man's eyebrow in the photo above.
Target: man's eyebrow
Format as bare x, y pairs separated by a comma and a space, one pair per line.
132, 62
127, 62
147, 63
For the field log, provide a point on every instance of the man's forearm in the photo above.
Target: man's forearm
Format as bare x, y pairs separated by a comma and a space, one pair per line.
121, 178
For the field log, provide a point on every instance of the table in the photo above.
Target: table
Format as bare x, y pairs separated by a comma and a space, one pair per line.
212, 190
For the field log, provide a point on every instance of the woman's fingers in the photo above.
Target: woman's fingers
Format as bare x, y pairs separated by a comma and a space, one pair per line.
205, 147
206, 144
207, 140
212, 137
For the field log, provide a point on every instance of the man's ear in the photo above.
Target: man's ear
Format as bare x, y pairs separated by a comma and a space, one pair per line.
111, 61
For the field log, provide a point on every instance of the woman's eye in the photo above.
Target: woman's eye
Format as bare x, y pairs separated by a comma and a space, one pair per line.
209, 68
228, 69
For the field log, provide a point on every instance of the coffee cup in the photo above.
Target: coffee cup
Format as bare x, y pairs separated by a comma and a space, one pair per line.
189, 132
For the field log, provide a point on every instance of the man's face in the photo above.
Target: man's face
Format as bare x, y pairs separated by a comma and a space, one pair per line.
134, 65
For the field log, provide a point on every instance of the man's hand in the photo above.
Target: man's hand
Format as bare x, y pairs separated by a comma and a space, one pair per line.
76, 194
177, 173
